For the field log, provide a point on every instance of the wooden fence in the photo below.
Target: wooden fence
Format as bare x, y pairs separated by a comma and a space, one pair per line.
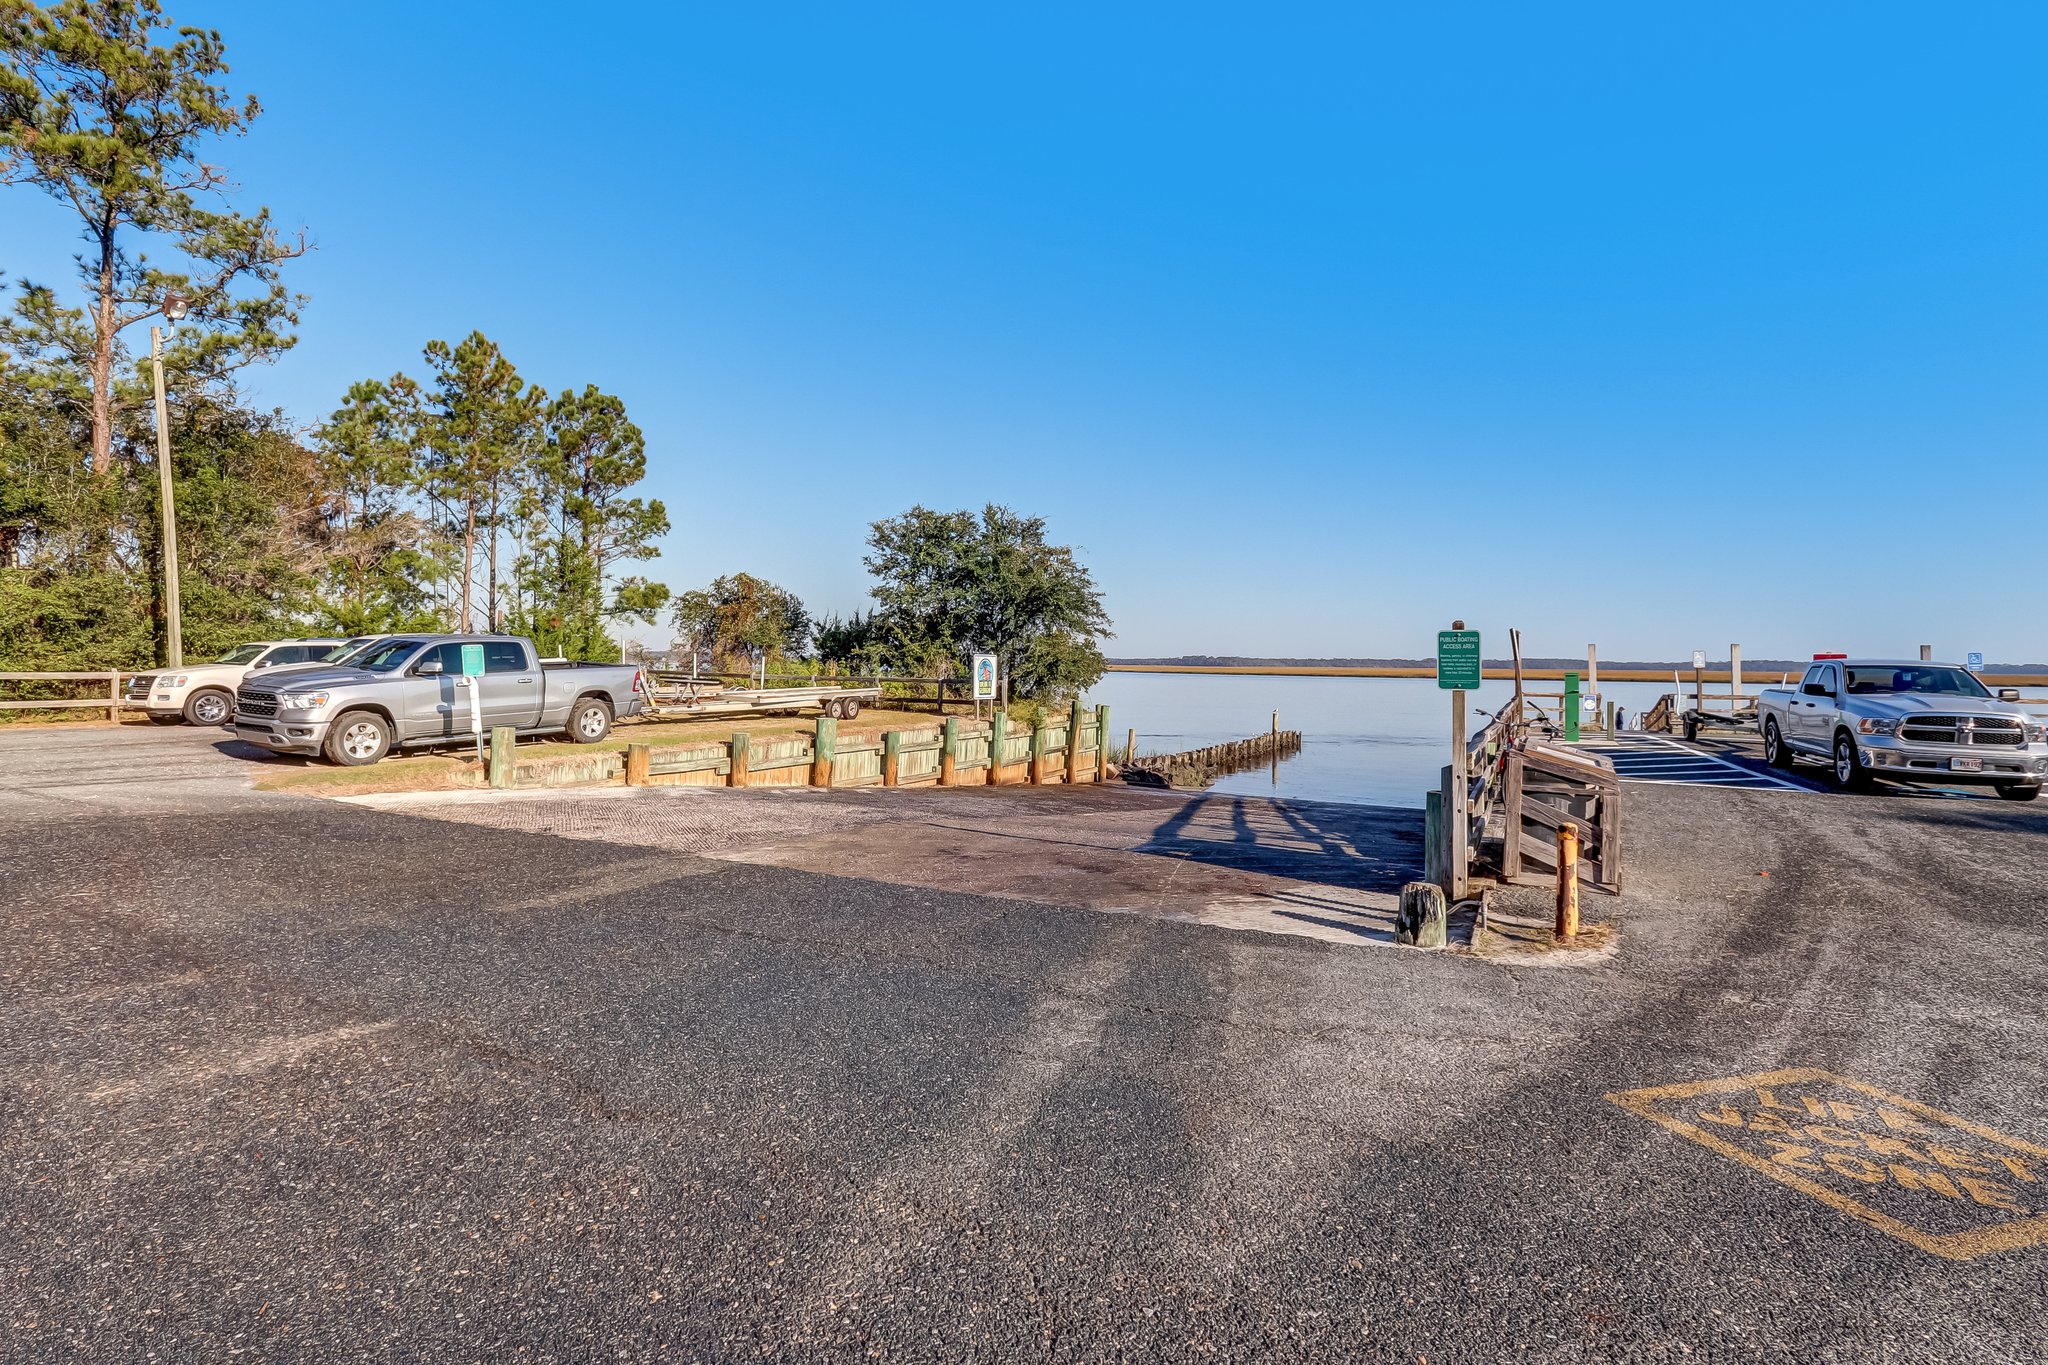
960, 752
110, 682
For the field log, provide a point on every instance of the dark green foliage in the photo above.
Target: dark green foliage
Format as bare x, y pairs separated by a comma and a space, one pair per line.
947, 583
738, 616
107, 108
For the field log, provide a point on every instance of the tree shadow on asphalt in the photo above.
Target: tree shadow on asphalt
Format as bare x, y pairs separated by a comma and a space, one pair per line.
1359, 848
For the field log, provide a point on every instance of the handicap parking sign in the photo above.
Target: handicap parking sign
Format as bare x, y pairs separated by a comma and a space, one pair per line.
1975, 663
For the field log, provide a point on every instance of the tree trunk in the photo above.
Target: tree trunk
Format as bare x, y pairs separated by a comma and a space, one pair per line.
468, 564
103, 356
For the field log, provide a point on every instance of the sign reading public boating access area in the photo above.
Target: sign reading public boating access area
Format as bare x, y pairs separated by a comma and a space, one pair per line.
1457, 660
984, 677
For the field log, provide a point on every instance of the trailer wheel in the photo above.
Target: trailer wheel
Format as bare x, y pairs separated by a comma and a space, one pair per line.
849, 707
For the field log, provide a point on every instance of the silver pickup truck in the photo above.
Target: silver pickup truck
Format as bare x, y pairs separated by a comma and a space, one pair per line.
409, 691
1906, 721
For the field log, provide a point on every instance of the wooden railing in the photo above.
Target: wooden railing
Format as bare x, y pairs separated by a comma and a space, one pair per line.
111, 681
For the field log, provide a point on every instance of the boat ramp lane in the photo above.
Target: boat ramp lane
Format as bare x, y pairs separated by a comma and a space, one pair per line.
1671, 762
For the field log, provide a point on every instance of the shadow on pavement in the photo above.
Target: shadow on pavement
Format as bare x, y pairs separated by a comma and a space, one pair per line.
1359, 848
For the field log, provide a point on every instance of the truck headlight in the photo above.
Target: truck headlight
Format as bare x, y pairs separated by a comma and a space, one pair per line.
303, 701
178, 681
1871, 726
2036, 733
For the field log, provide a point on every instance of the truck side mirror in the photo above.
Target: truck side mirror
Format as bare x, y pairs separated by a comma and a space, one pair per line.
2008, 694
431, 668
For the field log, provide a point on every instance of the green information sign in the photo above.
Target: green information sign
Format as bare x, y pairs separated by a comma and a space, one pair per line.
1457, 660
473, 661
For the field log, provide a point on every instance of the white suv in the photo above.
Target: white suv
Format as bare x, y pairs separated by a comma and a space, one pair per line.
204, 694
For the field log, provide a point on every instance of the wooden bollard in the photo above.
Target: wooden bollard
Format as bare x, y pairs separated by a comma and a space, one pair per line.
1567, 883
949, 753
1073, 774
736, 770
824, 747
892, 757
1423, 920
1102, 744
638, 757
999, 726
502, 762
1130, 744
1038, 746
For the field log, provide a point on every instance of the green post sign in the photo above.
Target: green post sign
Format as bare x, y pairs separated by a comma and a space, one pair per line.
472, 661
1457, 660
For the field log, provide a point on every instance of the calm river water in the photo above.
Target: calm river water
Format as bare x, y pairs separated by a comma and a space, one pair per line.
1370, 741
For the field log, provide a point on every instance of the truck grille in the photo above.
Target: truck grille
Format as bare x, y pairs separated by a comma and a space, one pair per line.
255, 703
138, 686
1999, 731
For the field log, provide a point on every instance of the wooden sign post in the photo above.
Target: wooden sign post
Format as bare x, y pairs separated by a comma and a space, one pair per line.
1457, 671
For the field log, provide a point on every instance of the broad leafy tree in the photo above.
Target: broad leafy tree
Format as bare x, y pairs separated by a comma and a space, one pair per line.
950, 582
739, 615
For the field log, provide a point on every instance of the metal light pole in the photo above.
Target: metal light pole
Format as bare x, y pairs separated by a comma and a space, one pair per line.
174, 624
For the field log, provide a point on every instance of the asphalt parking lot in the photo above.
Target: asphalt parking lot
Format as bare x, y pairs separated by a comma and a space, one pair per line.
283, 1079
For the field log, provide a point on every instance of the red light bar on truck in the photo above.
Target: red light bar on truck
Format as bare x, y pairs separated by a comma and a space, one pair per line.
1819, 657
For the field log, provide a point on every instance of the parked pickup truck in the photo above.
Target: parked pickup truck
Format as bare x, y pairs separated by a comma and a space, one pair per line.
409, 691
1905, 721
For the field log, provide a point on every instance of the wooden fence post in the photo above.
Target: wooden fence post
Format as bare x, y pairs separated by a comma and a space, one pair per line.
637, 756
501, 756
1038, 750
1130, 744
949, 753
824, 747
1102, 744
1567, 882
999, 728
114, 698
1074, 714
736, 772
892, 757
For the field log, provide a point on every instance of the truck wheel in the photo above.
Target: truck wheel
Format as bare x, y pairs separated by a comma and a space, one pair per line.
1849, 771
210, 706
1775, 751
358, 738
2019, 791
590, 720
849, 707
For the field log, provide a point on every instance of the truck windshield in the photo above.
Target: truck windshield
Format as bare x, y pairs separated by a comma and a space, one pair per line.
241, 654
1943, 682
385, 656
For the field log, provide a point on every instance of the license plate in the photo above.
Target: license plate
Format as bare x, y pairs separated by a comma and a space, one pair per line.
1966, 765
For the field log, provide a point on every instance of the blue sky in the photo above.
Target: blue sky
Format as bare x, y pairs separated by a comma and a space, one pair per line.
1737, 313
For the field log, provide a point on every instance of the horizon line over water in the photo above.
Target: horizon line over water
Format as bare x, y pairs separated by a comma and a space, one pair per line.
1365, 740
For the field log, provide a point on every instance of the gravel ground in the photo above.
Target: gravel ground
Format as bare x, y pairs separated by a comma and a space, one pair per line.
286, 1080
